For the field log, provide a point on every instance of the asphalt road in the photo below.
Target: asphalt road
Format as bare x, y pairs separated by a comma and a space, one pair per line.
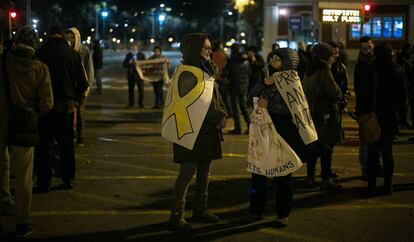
125, 180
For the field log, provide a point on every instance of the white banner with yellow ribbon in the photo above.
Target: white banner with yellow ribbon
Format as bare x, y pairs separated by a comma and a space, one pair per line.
184, 113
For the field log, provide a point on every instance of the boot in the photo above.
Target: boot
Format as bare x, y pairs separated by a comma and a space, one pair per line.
177, 220
200, 212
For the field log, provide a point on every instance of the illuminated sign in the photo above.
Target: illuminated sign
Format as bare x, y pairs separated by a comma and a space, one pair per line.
340, 15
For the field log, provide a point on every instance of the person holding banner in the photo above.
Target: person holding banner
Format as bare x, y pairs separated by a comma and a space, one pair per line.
194, 115
133, 77
323, 94
157, 84
272, 93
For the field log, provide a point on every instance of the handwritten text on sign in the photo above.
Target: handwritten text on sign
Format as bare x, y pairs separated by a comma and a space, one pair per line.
289, 85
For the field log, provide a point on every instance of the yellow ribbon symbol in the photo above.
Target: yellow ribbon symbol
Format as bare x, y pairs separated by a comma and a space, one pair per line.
178, 106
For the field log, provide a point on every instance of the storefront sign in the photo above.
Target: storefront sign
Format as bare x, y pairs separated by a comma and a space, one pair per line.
295, 23
340, 15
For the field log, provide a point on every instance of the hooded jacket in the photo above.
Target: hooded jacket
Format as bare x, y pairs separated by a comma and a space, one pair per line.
85, 54
66, 71
29, 80
208, 143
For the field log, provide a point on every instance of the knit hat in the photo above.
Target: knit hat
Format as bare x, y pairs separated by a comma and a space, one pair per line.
289, 57
322, 51
27, 36
56, 29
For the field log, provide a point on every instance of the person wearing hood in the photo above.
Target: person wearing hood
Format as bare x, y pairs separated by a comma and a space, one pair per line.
74, 38
196, 49
29, 87
282, 59
69, 85
323, 96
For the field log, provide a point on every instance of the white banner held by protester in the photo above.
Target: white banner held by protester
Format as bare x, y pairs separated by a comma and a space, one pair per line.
268, 153
154, 69
184, 113
289, 86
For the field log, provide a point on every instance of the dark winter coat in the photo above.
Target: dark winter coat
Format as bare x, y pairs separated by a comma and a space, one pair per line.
340, 75
68, 77
208, 143
390, 96
97, 57
323, 95
132, 71
237, 71
364, 83
257, 71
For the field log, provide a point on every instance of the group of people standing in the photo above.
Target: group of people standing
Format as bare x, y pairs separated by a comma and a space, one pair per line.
379, 88
136, 77
44, 91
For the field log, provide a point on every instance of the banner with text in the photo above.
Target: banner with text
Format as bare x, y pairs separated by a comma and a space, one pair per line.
154, 69
268, 153
289, 85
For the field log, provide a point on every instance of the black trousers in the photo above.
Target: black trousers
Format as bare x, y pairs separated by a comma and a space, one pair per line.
239, 101
55, 126
158, 94
284, 195
325, 152
385, 147
132, 80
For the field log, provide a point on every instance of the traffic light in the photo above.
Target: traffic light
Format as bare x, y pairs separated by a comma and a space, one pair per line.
13, 14
366, 9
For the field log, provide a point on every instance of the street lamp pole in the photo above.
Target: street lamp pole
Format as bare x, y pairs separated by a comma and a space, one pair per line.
97, 24
28, 12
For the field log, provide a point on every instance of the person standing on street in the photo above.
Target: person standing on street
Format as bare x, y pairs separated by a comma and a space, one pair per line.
69, 84
74, 39
196, 49
29, 87
158, 84
97, 59
323, 95
133, 77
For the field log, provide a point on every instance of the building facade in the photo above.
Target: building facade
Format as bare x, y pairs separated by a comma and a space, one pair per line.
288, 22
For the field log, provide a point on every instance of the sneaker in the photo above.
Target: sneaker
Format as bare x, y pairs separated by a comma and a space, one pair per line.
368, 192
310, 182
80, 142
23, 230
330, 185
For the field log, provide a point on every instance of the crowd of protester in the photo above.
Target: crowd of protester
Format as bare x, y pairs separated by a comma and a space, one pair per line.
51, 82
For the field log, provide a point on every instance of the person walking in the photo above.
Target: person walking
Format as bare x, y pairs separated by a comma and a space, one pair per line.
196, 49
74, 38
323, 95
69, 84
97, 59
283, 59
29, 87
133, 77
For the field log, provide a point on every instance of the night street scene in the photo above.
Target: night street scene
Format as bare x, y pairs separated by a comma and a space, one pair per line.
196, 120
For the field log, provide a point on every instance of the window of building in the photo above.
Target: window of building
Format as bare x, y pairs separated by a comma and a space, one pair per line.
380, 27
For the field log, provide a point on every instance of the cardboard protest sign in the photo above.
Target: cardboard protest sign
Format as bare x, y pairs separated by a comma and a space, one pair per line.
289, 85
184, 113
